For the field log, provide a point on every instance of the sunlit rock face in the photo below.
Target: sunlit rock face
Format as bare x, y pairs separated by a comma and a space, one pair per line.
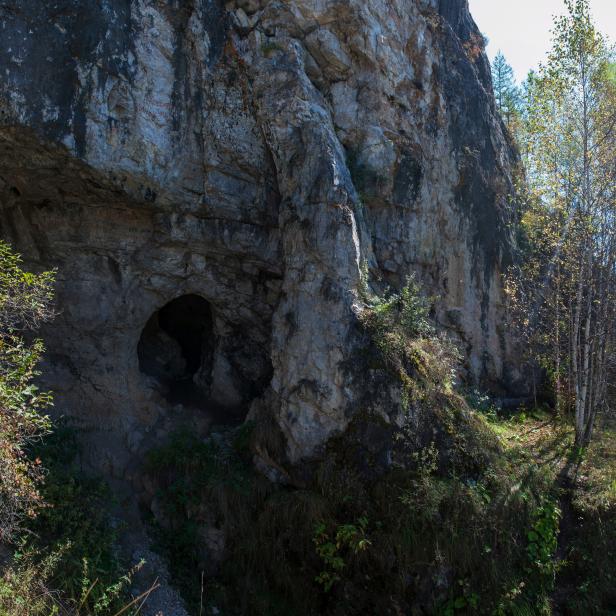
258, 155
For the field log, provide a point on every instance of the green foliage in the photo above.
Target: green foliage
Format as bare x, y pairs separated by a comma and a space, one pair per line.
21, 422
399, 327
404, 313
465, 601
190, 466
67, 561
25, 590
506, 92
25, 298
343, 544
351, 538
542, 540
188, 470
24, 303
23, 586
75, 530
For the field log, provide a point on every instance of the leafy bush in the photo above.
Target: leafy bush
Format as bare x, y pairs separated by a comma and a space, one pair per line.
542, 540
25, 298
189, 473
24, 586
399, 326
76, 526
351, 538
66, 560
25, 302
421, 539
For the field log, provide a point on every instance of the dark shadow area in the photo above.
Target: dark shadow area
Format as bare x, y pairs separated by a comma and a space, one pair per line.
176, 348
191, 366
174, 343
188, 320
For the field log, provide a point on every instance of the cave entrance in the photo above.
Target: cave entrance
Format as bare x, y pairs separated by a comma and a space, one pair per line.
176, 349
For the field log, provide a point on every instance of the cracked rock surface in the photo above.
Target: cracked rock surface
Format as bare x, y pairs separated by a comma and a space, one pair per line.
256, 154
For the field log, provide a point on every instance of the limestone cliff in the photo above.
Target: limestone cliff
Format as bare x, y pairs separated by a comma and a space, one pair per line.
253, 154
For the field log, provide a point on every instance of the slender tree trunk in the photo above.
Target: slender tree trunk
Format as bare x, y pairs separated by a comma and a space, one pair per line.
575, 356
557, 344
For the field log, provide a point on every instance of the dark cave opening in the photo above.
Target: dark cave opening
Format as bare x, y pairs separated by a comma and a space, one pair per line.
203, 369
176, 348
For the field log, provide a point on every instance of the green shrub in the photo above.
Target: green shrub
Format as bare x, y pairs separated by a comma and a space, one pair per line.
330, 548
424, 362
424, 538
74, 536
25, 302
542, 541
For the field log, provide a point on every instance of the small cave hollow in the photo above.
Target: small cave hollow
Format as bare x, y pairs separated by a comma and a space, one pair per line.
176, 349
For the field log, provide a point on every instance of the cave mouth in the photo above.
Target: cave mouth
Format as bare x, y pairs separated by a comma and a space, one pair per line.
176, 348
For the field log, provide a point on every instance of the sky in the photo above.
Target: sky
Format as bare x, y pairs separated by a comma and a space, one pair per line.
521, 28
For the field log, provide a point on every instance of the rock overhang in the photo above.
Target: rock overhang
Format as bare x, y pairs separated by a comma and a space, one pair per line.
256, 156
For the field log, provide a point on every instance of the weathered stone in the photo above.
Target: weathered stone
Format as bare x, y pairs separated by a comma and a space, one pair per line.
255, 154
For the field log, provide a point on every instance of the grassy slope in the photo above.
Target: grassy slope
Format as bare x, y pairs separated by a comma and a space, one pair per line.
585, 483
431, 539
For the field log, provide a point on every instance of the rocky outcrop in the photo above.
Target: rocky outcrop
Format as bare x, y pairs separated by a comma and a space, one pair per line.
258, 154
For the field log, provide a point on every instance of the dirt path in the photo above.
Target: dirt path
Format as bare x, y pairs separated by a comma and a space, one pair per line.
549, 444
564, 585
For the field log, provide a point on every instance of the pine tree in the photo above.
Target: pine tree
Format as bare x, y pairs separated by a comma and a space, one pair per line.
506, 92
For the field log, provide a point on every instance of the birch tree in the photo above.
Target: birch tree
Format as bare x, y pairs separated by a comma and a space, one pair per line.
568, 281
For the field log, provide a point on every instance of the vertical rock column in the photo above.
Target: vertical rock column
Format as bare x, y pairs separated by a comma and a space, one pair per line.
322, 252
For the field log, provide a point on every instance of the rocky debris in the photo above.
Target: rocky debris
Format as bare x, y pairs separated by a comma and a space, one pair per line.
260, 155
152, 575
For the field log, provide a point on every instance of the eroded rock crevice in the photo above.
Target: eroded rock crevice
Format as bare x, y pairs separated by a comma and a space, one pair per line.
176, 348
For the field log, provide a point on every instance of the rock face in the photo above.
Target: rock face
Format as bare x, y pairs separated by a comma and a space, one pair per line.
258, 155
